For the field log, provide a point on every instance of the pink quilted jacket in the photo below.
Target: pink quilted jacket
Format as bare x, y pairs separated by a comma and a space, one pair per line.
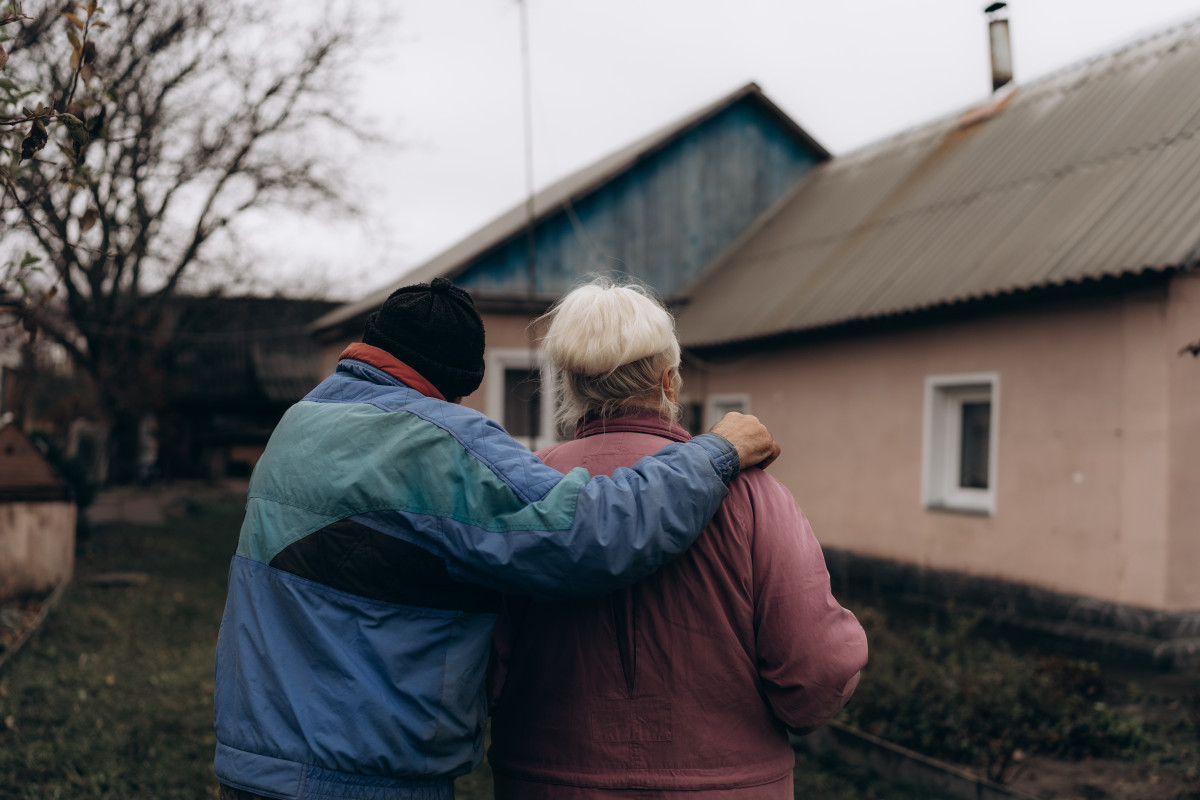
689, 679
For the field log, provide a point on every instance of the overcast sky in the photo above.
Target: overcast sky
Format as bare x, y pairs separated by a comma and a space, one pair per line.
606, 72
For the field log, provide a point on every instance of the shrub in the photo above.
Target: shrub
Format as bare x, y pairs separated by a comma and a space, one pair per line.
944, 690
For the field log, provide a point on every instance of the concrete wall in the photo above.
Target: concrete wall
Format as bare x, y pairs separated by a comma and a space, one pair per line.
37, 546
1098, 452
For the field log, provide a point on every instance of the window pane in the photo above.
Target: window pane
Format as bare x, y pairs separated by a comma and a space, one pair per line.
522, 402
973, 457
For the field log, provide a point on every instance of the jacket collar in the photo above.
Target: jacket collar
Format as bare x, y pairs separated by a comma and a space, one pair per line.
381, 359
638, 422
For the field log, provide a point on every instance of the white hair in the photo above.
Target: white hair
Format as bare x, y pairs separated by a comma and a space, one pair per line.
609, 346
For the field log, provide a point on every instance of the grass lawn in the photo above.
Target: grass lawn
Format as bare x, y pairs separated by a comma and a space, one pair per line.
113, 699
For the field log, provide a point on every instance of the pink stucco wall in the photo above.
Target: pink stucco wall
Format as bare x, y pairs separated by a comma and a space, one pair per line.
1183, 437
1098, 454
503, 331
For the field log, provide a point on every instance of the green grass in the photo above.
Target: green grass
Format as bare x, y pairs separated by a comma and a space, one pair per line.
113, 699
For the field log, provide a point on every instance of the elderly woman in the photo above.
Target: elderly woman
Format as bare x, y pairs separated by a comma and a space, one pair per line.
688, 681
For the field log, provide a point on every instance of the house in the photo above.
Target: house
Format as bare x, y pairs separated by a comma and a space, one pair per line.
37, 519
659, 210
967, 337
234, 366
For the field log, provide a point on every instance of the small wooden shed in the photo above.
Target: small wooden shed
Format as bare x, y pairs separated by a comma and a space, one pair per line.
37, 519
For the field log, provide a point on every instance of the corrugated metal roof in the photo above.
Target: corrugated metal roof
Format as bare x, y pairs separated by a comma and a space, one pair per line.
552, 199
1090, 173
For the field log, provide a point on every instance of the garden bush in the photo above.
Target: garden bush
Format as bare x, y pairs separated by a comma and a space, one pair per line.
944, 689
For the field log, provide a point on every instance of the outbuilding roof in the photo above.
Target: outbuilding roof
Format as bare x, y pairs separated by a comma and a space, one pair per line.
1090, 173
557, 196
25, 474
243, 351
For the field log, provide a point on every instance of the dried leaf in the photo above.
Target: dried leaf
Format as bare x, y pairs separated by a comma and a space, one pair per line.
35, 141
75, 59
3, 57
76, 44
89, 52
100, 24
76, 21
88, 221
92, 6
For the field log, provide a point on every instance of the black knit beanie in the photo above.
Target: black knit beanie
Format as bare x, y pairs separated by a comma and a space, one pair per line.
435, 329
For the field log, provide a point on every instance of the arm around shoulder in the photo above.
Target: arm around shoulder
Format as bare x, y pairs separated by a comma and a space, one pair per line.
591, 536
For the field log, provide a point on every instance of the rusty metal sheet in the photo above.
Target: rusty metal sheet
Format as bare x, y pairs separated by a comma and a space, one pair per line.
1091, 172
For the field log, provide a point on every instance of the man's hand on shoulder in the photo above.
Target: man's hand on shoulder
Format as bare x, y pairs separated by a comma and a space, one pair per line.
754, 444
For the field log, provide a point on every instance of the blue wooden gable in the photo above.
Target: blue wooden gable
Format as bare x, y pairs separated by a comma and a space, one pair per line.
660, 210
664, 217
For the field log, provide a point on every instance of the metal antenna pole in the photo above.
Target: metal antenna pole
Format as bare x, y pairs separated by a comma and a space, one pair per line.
530, 241
527, 86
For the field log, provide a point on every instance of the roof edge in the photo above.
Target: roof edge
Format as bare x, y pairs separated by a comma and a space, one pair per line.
952, 309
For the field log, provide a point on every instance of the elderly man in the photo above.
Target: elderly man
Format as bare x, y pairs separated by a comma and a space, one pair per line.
382, 524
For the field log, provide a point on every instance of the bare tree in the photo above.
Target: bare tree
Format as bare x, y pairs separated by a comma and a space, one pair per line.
181, 117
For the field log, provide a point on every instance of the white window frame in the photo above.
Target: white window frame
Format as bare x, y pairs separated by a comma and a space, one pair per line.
718, 405
504, 358
942, 444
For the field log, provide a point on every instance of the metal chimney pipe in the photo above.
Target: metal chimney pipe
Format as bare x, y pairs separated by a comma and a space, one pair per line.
1002, 70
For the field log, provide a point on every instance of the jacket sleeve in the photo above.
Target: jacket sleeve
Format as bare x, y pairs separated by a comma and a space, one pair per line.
809, 649
592, 535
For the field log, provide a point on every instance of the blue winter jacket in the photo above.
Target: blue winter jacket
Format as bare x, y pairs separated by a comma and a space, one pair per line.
381, 527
